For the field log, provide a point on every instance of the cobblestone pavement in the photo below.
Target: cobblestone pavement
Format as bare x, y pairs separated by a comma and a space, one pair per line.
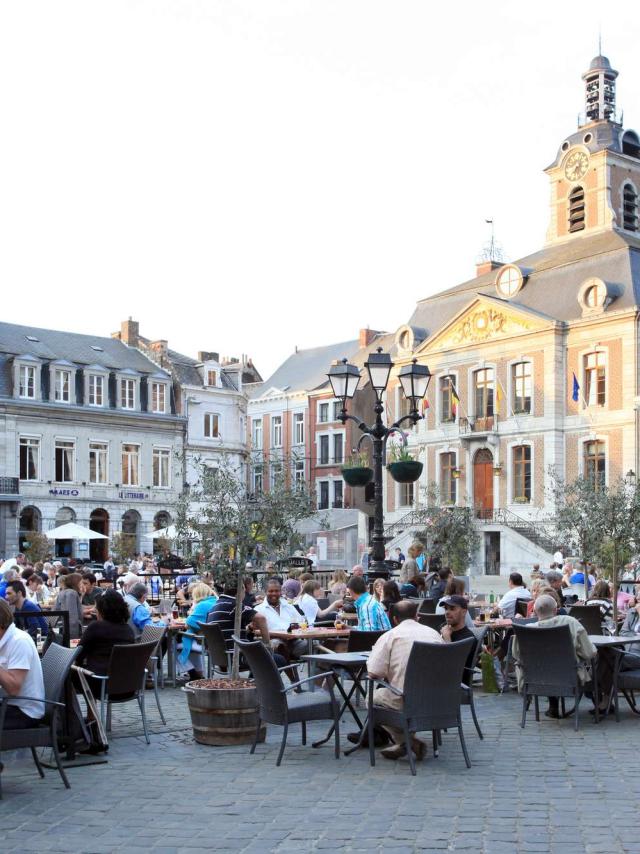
544, 789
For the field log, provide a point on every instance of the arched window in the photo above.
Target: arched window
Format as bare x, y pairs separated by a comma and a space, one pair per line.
629, 208
576, 209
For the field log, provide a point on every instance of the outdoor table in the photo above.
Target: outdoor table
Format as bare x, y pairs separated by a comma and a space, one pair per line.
311, 635
494, 627
602, 642
355, 664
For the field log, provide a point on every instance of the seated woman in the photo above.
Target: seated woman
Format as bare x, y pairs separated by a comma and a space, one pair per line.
204, 599
338, 583
601, 598
69, 600
390, 595
308, 602
111, 627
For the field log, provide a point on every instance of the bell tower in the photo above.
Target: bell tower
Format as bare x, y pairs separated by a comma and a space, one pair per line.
595, 177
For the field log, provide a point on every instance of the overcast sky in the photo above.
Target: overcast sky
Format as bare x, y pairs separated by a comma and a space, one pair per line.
251, 176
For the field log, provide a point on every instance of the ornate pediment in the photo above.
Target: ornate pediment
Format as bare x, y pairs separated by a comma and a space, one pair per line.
485, 320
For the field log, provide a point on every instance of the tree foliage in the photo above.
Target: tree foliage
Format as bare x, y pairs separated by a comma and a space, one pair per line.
123, 547
450, 533
39, 548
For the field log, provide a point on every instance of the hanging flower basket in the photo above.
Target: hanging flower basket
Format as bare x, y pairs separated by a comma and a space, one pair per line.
358, 475
405, 471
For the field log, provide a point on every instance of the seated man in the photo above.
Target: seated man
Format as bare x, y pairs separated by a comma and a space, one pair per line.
388, 660
279, 616
20, 674
90, 593
16, 596
516, 591
456, 629
371, 614
439, 584
546, 610
139, 612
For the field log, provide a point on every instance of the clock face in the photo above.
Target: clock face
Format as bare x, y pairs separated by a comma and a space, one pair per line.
576, 165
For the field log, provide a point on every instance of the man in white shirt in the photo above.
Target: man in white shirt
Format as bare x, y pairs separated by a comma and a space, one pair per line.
279, 616
388, 660
20, 674
516, 591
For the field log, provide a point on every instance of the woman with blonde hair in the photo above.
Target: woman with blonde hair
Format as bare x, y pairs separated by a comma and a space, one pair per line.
338, 583
69, 600
203, 599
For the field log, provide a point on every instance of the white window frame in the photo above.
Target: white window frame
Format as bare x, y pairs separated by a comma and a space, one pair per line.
59, 375
319, 437
332, 448
128, 481
338, 482
298, 428
328, 483
208, 425
299, 471
159, 454
25, 385
96, 380
159, 388
37, 442
607, 459
69, 441
97, 448
439, 456
321, 405
511, 388
276, 431
511, 474
583, 402
256, 433
125, 386
257, 474
336, 409
439, 378
215, 372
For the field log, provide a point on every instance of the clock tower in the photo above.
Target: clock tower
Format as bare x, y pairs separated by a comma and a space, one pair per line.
595, 178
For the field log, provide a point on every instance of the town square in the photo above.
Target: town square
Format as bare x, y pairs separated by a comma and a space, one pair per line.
319, 428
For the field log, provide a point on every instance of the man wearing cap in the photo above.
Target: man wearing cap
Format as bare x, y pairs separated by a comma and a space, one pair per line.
455, 629
388, 660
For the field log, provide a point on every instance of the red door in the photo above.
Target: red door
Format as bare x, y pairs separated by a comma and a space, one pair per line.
483, 483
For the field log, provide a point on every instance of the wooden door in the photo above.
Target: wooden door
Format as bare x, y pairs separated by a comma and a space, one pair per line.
483, 483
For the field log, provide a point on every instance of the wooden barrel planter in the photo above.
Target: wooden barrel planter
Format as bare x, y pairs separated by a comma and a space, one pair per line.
223, 712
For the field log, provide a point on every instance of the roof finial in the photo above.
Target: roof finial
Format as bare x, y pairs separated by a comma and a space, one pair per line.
491, 251
600, 40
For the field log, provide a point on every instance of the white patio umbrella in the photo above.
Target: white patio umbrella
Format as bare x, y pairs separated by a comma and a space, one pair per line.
71, 531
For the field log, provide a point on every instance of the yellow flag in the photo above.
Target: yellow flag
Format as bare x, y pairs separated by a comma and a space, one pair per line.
498, 397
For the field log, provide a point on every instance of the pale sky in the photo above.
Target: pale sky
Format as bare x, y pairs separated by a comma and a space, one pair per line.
250, 175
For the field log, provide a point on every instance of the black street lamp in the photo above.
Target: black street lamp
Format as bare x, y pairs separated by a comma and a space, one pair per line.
414, 379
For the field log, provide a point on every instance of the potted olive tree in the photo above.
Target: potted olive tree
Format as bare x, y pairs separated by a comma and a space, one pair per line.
230, 523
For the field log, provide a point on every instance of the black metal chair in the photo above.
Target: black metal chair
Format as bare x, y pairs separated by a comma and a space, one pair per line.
154, 665
362, 641
56, 664
125, 680
433, 621
218, 657
278, 706
467, 690
588, 616
627, 680
521, 607
427, 606
548, 660
431, 696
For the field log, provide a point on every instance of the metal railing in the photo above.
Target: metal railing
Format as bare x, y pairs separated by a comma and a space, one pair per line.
485, 424
538, 532
9, 486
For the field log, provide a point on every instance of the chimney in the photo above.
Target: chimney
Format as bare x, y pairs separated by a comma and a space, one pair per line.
487, 266
366, 336
208, 356
159, 347
130, 332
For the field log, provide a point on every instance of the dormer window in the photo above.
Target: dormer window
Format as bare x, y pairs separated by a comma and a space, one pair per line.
212, 377
96, 390
27, 382
629, 208
576, 209
158, 397
62, 386
127, 394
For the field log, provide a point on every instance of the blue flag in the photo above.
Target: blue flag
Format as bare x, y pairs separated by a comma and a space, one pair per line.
576, 389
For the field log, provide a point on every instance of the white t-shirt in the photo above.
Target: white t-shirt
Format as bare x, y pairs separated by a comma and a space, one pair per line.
279, 622
508, 602
18, 652
309, 605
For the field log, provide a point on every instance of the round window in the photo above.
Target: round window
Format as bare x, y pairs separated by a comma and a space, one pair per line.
509, 281
595, 295
405, 339
587, 138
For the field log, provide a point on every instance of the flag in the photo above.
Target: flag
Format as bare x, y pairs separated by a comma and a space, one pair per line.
498, 398
455, 400
425, 405
576, 389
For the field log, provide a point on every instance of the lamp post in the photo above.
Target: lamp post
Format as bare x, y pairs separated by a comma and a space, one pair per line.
414, 379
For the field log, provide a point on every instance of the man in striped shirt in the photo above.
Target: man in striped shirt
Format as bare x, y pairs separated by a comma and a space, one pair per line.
371, 614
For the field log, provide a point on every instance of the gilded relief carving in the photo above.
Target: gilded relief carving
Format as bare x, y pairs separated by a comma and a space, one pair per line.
482, 324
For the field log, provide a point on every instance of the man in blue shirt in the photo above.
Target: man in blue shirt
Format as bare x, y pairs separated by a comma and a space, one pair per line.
16, 596
139, 611
7, 576
371, 615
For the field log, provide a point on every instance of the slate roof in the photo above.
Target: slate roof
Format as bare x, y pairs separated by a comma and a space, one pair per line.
53, 344
555, 275
305, 369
